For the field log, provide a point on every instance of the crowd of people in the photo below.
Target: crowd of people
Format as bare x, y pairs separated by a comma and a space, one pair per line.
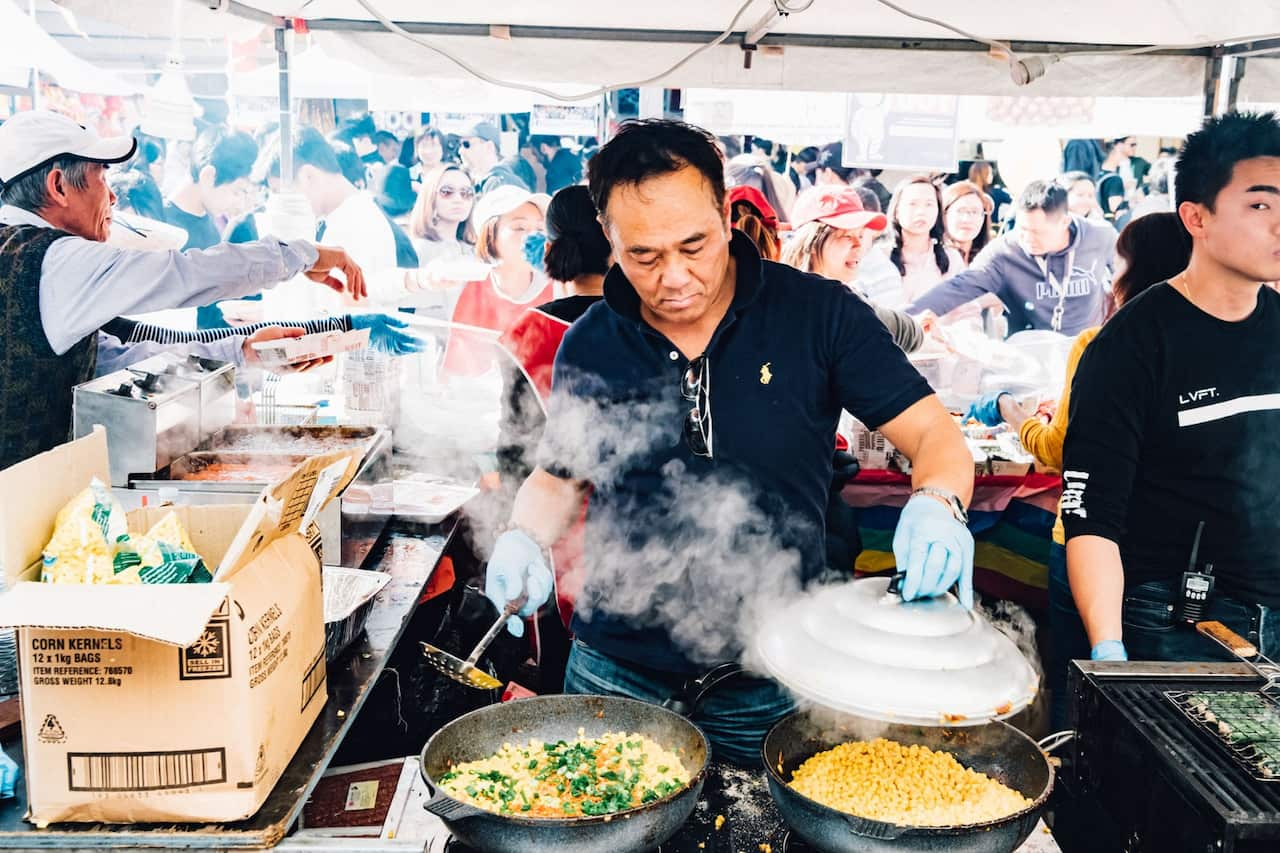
610, 265
466, 213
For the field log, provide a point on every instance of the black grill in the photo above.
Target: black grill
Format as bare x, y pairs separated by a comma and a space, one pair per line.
1143, 776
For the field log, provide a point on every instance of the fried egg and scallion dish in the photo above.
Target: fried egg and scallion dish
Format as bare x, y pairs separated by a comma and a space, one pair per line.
585, 777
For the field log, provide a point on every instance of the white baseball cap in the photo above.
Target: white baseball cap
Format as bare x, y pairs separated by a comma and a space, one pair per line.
500, 201
34, 138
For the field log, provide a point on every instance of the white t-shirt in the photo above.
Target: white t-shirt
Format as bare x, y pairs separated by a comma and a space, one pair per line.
359, 226
879, 279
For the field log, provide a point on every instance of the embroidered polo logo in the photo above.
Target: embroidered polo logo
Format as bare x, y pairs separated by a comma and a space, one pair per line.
765, 375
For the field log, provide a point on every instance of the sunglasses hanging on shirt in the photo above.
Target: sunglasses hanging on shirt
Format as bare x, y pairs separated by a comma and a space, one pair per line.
695, 386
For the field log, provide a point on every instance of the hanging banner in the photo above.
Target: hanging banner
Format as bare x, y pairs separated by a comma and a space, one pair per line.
911, 132
459, 123
565, 119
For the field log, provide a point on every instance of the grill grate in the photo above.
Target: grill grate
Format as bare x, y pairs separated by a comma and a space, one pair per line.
1200, 755
1246, 724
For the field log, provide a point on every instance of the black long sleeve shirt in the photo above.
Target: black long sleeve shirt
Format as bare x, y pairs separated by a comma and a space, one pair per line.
1174, 420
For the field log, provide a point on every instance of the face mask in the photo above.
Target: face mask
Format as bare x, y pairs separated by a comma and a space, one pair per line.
535, 246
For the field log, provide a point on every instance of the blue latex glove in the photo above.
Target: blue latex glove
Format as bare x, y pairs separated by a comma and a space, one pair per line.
934, 549
986, 409
516, 566
1109, 650
385, 335
535, 248
8, 776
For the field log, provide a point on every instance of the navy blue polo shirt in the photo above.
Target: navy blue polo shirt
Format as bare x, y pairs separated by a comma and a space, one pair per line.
681, 549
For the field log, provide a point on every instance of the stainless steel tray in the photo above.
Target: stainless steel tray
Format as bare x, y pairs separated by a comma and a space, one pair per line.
307, 440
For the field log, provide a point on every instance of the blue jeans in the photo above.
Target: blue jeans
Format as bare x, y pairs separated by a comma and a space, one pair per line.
1152, 631
1068, 638
735, 717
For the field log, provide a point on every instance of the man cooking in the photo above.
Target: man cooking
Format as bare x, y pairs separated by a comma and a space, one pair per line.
699, 401
60, 282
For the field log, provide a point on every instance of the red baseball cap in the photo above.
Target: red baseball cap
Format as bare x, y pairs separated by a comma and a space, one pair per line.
839, 207
754, 197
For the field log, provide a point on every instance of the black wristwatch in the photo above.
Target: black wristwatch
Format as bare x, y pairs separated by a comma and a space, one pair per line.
953, 503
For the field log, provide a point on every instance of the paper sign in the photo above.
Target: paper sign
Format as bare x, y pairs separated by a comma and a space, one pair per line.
565, 119
362, 796
460, 123
913, 132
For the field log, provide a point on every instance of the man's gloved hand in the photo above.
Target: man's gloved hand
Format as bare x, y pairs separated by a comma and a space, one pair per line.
986, 409
385, 335
934, 549
8, 776
517, 566
1109, 650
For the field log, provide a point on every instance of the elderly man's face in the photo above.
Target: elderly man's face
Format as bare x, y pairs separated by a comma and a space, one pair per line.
671, 239
87, 212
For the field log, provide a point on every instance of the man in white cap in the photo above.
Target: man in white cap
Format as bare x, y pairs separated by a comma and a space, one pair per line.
60, 282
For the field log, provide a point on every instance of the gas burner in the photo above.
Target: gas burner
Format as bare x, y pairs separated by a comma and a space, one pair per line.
794, 844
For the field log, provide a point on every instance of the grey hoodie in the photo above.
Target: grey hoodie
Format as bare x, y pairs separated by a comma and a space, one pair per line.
1005, 269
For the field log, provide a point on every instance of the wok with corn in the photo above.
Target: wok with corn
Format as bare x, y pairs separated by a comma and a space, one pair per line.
846, 783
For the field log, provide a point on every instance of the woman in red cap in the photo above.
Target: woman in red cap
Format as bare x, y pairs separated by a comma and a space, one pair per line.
832, 233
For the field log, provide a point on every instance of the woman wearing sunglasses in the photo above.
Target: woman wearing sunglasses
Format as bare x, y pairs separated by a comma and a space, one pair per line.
439, 224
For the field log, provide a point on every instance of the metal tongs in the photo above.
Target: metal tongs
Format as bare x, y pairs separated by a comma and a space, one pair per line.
465, 671
1246, 651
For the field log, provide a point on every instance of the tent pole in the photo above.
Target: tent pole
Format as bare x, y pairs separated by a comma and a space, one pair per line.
283, 37
1233, 87
1212, 86
35, 69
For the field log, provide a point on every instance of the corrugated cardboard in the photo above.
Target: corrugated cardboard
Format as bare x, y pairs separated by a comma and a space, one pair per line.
166, 703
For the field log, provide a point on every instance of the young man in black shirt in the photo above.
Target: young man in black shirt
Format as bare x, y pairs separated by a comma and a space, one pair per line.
1175, 423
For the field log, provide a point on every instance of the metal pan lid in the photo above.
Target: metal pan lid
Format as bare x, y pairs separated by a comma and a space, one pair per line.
857, 648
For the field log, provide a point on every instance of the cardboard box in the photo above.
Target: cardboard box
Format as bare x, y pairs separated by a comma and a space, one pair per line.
176, 702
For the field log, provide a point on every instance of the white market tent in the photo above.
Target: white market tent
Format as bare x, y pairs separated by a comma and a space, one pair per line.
314, 73
832, 45
24, 46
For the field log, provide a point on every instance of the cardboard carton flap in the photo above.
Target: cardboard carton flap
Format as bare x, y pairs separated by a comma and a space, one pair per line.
287, 507
168, 613
32, 492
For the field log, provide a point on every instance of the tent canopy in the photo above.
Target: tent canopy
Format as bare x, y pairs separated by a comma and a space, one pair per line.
24, 45
833, 45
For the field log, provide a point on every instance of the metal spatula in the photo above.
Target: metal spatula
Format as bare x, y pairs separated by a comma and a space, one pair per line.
465, 671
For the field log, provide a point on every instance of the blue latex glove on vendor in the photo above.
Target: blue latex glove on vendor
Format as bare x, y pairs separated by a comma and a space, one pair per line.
518, 567
934, 550
385, 335
1109, 650
986, 409
8, 776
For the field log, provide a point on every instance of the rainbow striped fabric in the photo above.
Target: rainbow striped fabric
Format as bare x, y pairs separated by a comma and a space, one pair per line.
1011, 519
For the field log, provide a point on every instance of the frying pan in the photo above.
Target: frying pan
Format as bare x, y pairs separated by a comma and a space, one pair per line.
481, 733
996, 749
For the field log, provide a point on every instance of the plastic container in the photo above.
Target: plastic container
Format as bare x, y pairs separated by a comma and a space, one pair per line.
370, 388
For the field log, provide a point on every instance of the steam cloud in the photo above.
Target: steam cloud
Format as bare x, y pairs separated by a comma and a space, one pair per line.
702, 572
